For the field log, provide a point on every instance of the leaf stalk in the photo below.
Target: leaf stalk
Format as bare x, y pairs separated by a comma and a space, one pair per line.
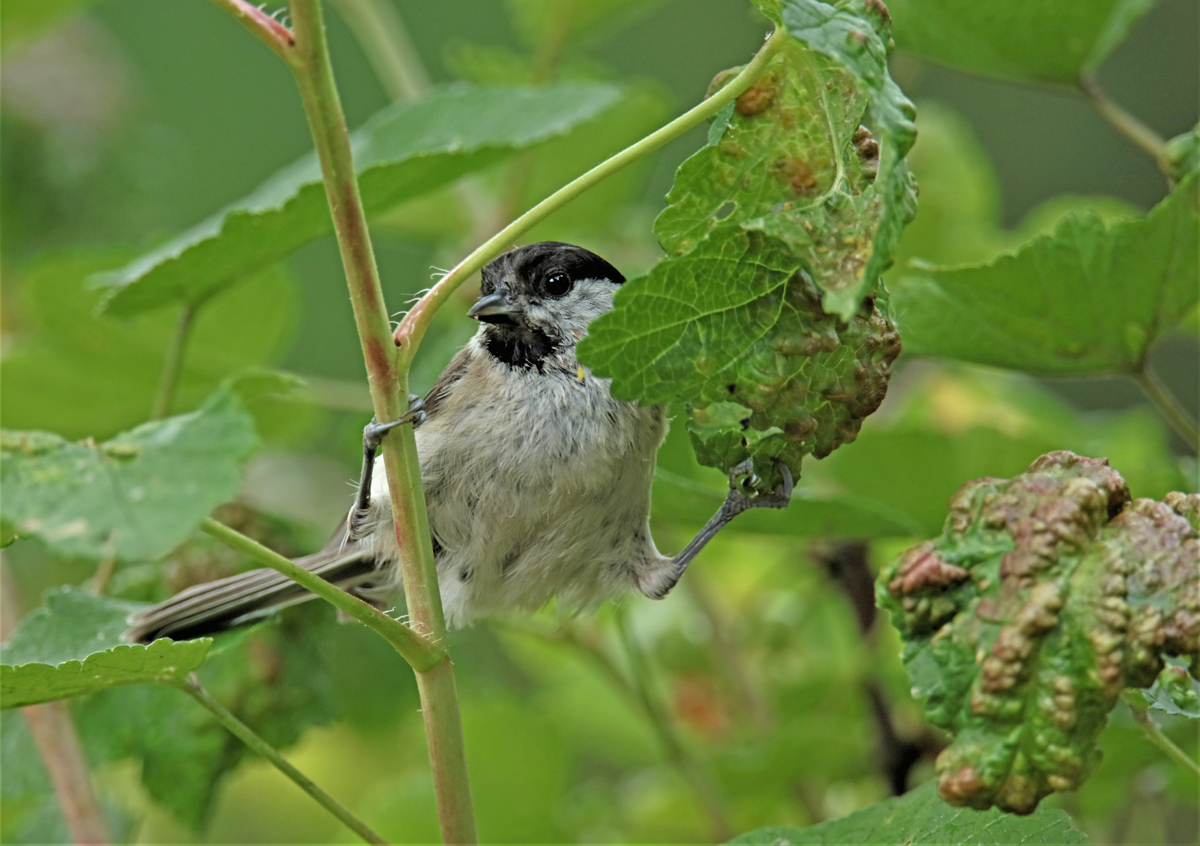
173, 362
256, 744
1155, 735
380, 32
412, 329
1168, 406
1134, 131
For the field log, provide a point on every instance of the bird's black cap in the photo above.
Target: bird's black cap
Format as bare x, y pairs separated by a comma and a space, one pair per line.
535, 261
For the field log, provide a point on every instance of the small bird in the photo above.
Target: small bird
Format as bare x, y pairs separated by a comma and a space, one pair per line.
537, 481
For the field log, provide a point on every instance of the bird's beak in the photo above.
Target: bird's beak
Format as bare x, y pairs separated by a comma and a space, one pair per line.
494, 308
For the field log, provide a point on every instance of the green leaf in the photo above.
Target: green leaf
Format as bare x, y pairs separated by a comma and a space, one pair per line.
72, 646
1030, 40
134, 497
161, 661
686, 494
920, 818
1175, 692
791, 165
403, 151
1044, 596
776, 234
1088, 298
274, 681
78, 374
275, 684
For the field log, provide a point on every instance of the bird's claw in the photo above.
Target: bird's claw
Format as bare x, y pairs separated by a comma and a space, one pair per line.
374, 432
746, 486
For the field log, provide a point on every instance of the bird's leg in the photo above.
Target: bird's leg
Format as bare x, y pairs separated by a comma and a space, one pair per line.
373, 435
741, 480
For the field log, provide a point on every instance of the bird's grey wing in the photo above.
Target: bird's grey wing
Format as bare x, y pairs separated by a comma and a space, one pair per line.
442, 388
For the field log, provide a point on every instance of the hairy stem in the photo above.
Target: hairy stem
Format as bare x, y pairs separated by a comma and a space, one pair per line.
1168, 406
412, 329
380, 32
256, 744
264, 27
58, 744
1136, 132
1155, 735
388, 380
691, 769
412, 646
173, 363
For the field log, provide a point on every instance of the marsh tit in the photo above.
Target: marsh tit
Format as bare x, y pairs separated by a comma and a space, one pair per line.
537, 480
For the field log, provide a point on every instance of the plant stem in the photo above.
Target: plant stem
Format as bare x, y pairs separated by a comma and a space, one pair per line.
1136, 132
380, 31
1168, 406
58, 743
245, 734
264, 27
412, 329
1155, 735
412, 646
688, 766
54, 734
173, 363
387, 376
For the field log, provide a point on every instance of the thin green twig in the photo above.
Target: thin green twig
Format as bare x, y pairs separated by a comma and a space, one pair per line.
1155, 735
380, 31
1168, 406
412, 646
256, 744
173, 363
412, 329
1136, 132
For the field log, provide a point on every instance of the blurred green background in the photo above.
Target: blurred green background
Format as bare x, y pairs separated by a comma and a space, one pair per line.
130, 120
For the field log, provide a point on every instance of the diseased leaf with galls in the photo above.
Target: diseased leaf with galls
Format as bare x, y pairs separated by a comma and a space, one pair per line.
1175, 692
1044, 596
776, 234
920, 818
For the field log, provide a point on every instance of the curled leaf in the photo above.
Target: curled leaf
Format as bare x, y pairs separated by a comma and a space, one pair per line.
776, 233
1043, 598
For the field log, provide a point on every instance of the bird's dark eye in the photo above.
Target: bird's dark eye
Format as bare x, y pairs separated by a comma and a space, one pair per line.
557, 284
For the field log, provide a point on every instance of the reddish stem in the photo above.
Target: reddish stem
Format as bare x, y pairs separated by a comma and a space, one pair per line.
264, 27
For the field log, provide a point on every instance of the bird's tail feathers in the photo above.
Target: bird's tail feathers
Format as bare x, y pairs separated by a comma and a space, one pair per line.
214, 607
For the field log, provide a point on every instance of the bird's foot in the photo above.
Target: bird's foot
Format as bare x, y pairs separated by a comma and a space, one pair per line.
746, 488
374, 432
